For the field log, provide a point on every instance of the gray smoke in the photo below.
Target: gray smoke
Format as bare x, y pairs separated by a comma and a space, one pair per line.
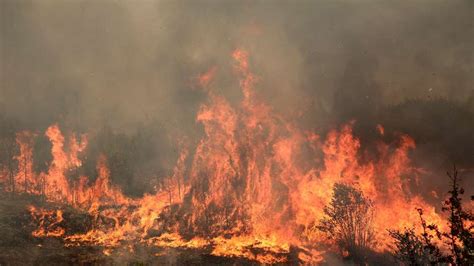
129, 64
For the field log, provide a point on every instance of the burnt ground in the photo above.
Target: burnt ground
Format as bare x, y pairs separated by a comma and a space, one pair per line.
19, 247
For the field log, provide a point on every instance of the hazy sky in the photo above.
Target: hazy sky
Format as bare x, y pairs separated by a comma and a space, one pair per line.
83, 62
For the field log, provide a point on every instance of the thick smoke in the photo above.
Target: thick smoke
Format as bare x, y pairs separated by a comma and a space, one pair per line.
129, 67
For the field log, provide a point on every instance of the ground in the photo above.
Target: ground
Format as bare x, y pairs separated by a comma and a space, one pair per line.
19, 247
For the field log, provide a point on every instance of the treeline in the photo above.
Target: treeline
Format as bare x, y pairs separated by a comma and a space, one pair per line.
348, 219
136, 159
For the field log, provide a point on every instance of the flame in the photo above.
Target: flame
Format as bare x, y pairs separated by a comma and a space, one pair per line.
56, 183
380, 129
49, 222
25, 180
207, 77
256, 185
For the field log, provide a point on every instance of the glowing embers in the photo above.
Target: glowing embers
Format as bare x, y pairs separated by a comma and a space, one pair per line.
48, 222
264, 250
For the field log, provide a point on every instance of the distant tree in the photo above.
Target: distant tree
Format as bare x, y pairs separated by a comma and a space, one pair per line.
8, 149
133, 157
348, 221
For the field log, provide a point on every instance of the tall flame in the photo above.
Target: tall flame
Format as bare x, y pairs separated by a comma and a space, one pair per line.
257, 184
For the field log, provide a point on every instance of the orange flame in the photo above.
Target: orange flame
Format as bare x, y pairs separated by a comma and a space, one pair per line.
257, 185
49, 222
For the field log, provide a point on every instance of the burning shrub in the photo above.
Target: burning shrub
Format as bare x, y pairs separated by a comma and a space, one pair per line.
348, 219
414, 249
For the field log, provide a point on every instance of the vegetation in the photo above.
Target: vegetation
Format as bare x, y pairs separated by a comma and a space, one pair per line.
348, 222
348, 219
413, 249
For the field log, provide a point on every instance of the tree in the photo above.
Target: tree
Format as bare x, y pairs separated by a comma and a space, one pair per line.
8, 149
461, 225
415, 249
348, 221
410, 248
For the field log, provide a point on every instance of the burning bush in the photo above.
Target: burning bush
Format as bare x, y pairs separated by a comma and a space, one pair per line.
457, 242
348, 221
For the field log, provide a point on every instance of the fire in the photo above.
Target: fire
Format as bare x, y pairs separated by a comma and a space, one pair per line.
25, 180
256, 186
207, 77
264, 250
380, 129
49, 222
56, 183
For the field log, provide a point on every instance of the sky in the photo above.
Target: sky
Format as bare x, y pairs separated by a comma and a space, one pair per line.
127, 62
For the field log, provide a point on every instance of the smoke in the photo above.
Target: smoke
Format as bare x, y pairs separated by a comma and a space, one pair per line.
128, 64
